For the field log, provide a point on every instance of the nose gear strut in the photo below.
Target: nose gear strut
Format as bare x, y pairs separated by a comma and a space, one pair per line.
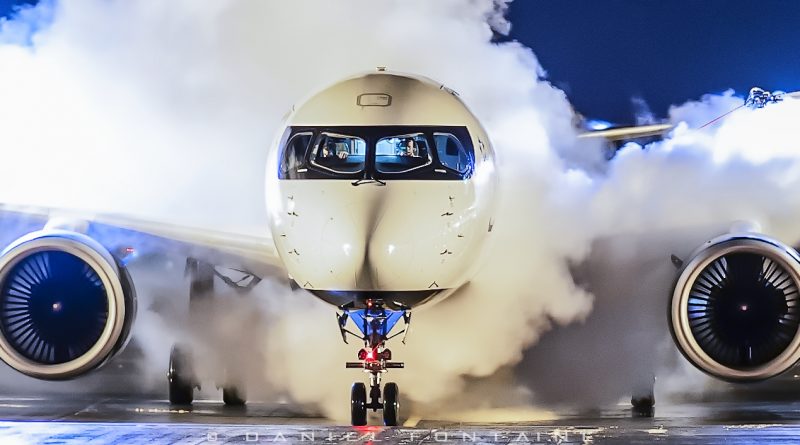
375, 322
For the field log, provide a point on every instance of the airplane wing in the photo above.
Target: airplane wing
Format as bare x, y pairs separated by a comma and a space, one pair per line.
628, 133
757, 98
119, 232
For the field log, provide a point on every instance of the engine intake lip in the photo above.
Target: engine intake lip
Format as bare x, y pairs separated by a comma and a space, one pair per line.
96, 257
680, 324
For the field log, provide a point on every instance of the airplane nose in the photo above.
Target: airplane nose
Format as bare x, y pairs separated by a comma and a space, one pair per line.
373, 240
420, 239
347, 230
402, 236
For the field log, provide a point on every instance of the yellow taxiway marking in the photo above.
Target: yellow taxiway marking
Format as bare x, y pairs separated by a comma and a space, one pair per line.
411, 422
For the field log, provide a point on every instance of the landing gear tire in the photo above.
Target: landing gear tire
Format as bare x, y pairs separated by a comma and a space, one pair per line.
358, 404
180, 377
643, 406
234, 396
391, 404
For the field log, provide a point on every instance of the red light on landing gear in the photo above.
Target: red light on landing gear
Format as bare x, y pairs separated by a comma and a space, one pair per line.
369, 355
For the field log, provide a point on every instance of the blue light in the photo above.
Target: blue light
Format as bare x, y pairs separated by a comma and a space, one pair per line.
392, 317
597, 124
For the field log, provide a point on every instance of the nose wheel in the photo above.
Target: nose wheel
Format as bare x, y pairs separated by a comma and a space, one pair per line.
391, 404
375, 322
359, 404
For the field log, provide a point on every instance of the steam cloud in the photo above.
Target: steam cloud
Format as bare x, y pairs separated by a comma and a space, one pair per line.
165, 110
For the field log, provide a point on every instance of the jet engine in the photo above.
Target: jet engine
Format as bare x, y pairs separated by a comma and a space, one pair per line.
734, 311
66, 305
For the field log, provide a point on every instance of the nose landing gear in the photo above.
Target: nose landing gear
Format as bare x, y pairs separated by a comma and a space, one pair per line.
375, 322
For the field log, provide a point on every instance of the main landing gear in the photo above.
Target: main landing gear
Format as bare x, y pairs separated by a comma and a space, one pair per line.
181, 376
182, 381
643, 401
375, 322
643, 406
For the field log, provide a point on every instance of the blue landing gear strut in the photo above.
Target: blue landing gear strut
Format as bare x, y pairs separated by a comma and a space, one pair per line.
375, 323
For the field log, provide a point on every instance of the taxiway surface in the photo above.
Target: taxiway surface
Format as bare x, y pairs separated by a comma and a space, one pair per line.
107, 420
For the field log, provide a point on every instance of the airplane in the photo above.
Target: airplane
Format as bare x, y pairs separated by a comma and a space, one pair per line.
380, 194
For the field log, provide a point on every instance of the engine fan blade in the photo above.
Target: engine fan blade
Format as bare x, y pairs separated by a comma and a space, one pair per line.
53, 307
742, 309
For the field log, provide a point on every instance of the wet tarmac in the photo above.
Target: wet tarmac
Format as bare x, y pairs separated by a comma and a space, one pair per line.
769, 414
105, 420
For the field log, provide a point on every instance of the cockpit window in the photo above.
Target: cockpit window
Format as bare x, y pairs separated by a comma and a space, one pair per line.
402, 153
381, 152
295, 154
452, 153
339, 153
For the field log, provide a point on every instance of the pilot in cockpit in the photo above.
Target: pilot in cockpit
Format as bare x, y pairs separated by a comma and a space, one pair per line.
411, 148
329, 151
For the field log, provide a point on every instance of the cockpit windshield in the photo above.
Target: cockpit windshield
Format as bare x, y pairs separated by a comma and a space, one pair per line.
402, 153
339, 153
377, 152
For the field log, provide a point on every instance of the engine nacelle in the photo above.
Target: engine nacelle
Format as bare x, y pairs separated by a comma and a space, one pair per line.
734, 312
66, 305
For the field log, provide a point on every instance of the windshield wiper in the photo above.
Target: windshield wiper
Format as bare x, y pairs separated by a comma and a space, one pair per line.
368, 181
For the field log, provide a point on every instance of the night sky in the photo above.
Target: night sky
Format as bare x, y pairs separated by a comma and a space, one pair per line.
603, 53
6, 6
